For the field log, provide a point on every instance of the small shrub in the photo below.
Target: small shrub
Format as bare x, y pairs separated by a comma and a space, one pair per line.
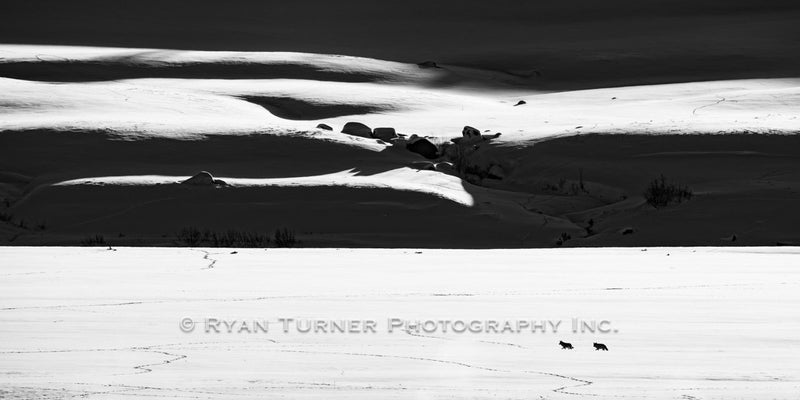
661, 193
285, 238
96, 240
562, 238
190, 236
565, 187
233, 238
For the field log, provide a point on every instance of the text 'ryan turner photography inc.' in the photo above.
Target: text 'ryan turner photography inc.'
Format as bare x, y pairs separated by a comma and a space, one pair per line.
214, 325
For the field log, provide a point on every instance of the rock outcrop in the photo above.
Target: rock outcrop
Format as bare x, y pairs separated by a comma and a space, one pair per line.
470, 133
428, 64
357, 129
423, 147
385, 134
203, 178
325, 127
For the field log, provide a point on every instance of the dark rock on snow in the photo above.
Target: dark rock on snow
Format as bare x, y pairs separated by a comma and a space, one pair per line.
470, 133
423, 147
384, 133
357, 129
203, 178
428, 64
446, 167
325, 127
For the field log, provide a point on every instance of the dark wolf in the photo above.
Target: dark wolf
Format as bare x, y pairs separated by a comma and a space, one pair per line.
600, 346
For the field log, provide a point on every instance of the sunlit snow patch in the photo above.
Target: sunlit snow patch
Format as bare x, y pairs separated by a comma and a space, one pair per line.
406, 179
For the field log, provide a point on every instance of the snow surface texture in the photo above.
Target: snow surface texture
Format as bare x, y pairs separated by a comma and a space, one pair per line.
691, 324
84, 131
407, 97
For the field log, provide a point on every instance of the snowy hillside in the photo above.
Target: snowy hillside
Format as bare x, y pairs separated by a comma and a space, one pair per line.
95, 141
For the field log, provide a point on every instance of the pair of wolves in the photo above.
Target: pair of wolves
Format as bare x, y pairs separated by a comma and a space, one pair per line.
597, 346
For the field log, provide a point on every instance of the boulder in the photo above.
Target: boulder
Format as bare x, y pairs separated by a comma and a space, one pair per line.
325, 127
521, 102
202, 178
469, 136
446, 167
385, 134
470, 133
428, 64
357, 129
423, 147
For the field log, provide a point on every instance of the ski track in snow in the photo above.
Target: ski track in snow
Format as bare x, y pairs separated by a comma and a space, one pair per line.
213, 263
561, 389
721, 99
172, 357
145, 368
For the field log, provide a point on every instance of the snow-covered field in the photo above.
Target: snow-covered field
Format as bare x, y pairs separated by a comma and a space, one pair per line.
704, 323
